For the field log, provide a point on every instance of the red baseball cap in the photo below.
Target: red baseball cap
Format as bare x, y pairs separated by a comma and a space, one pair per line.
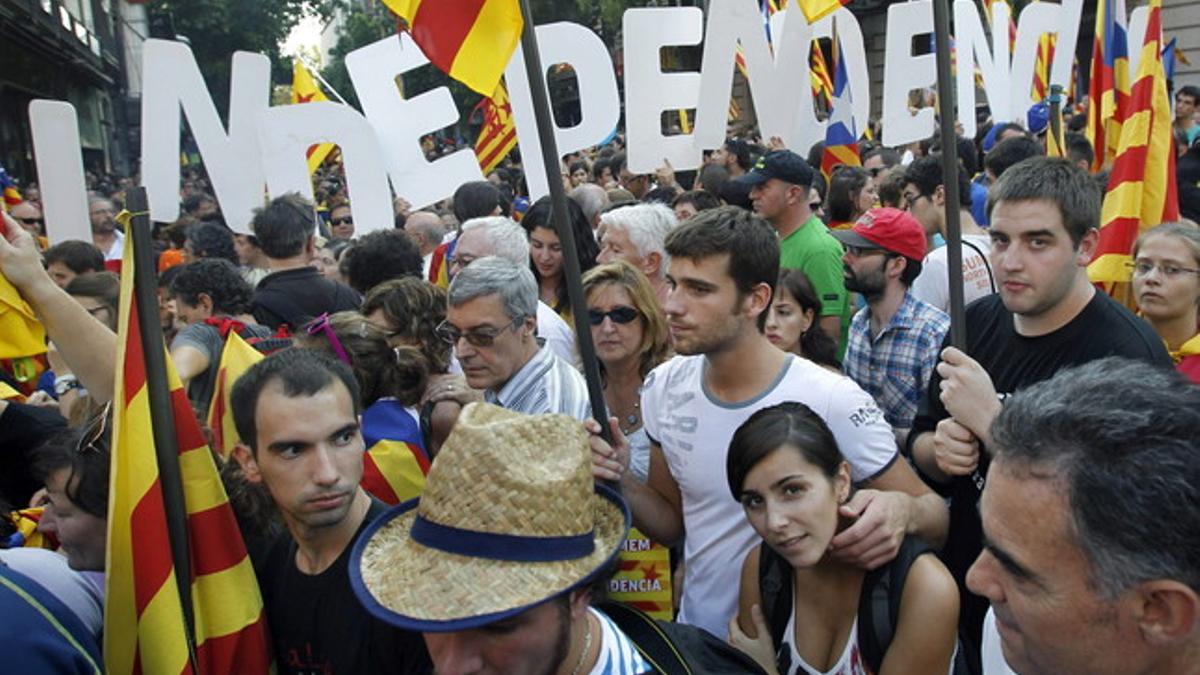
888, 229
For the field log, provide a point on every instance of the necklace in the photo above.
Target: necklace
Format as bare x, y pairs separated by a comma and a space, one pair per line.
631, 420
587, 645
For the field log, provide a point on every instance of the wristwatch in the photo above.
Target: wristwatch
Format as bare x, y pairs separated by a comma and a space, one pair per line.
65, 383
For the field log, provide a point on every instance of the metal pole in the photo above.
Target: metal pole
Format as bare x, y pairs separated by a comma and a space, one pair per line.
941, 29
166, 447
562, 223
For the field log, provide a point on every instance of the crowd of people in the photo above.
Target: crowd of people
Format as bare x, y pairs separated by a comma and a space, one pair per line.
890, 503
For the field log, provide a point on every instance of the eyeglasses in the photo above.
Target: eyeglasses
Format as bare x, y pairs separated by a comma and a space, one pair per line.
321, 326
478, 337
93, 433
621, 315
346, 220
95, 311
32, 221
1142, 268
875, 171
814, 206
912, 199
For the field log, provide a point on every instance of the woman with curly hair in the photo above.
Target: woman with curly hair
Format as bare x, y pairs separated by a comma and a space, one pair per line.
409, 310
211, 298
391, 381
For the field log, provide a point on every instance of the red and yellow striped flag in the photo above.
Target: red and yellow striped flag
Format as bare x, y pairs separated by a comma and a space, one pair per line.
1041, 66
1141, 191
821, 80
236, 358
1108, 83
143, 615
305, 90
498, 136
469, 40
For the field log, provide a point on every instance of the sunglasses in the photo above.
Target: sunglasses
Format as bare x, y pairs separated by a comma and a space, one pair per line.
347, 220
479, 337
32, 221
621, 315
321, 326
90, 440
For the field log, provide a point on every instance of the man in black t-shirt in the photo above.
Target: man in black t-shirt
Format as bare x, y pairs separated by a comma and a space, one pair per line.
1046, 316
294, 292
297, 412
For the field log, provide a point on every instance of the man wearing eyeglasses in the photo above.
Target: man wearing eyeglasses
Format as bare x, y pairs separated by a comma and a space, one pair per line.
491, 320
1046, 316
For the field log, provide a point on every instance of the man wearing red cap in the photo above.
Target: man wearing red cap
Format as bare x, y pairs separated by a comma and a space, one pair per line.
894, 340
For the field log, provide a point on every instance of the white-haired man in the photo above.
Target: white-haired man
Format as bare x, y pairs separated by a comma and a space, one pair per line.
504, 238
636, 234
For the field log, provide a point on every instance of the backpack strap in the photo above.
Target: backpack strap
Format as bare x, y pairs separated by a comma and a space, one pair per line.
652, 643
879, 602
775, 592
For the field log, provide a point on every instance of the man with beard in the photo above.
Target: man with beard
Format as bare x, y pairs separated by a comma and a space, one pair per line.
105, 234
723, 264
895, 339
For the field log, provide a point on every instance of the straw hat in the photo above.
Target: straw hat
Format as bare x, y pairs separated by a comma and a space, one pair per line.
509, 518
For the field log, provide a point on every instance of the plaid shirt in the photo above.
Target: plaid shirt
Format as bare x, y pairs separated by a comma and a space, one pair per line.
895, 365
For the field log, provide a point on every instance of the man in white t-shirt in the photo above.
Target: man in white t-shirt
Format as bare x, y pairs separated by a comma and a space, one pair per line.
925, 194
723, 266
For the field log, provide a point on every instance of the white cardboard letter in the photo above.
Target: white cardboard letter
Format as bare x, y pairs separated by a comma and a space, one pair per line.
172, 80
400, 123
287, 131
649, 91
599, 102
903, 72
55, 131
972, 48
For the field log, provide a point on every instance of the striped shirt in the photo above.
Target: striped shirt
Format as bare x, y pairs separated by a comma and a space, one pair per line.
546, 384
894, 366
618, 655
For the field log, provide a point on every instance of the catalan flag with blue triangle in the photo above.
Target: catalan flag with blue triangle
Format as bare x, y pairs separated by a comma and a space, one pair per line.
396, 463
841, 137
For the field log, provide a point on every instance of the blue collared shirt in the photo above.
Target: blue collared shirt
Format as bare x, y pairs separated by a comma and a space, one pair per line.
545, 384
894, 366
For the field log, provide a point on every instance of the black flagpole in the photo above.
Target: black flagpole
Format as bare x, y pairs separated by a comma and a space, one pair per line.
166, 447
562, 223
941, 29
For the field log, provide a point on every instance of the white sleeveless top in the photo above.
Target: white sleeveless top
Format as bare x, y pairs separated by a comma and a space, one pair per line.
850, 663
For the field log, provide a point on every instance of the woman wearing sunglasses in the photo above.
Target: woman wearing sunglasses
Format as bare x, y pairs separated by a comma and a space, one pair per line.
1166, 284
391, 381
630, 334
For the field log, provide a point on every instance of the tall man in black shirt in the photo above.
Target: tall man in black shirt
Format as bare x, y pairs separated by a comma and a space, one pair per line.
294, 292
297, 412
1046, 316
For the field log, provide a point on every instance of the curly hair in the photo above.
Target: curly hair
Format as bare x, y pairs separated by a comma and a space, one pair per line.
381, 370
210, 240
219, 280
414, 308
380, 256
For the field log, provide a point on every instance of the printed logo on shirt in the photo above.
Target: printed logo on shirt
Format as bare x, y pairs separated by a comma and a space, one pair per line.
831, 297
865, 416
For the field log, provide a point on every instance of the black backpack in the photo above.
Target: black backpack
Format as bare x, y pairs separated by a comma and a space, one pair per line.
678, 649
878, 604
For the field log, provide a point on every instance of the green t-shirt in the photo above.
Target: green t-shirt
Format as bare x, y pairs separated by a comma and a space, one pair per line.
812, 250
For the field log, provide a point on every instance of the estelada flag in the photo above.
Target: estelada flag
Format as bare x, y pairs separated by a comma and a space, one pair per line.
498, 136
815, 10
469, 40
841, 137
305, 90
1141, 190
144, 629
396, 462
236, 358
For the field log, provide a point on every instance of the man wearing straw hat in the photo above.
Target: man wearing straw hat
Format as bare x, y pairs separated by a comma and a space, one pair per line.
297, 415
496, 562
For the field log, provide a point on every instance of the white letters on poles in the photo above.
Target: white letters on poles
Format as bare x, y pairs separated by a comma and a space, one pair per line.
263, 151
